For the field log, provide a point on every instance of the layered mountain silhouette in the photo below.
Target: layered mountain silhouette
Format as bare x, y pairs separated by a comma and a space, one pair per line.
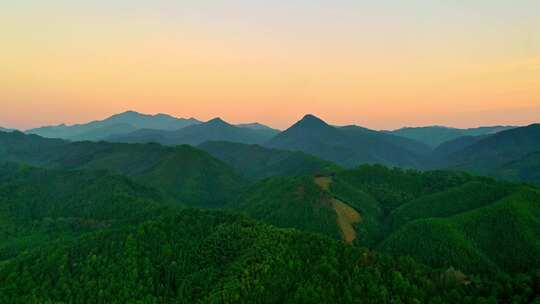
488, 154
351, 145
500, 151
212, 130
117, 124
433, 136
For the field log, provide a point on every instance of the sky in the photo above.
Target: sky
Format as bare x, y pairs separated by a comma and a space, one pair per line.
379, 64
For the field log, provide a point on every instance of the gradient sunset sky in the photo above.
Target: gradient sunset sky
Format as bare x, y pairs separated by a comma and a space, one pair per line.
380, 64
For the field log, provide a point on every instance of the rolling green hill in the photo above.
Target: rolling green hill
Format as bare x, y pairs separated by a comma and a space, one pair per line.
422, 214
183, 173
256, 162
290, 202
504, 235
214, 257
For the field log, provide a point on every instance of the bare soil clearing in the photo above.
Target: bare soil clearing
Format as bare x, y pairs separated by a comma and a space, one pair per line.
346, 215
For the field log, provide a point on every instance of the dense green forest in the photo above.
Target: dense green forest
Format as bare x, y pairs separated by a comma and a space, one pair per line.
98, 222
215, 257
38, 206
442, 218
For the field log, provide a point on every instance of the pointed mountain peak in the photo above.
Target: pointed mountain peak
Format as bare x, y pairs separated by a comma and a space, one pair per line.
310, 120
217, 121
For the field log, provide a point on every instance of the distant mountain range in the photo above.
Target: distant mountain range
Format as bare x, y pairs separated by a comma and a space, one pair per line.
117, 124
311, 144
132, 126
212, 130
6, 130
433, 136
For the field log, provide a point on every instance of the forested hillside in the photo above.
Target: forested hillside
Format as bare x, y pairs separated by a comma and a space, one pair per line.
428, 215
256, 162
84, 222
182, 173
214, 257
38, 206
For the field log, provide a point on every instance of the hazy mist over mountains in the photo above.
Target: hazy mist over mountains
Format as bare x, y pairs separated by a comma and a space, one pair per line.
120, 125
484, 150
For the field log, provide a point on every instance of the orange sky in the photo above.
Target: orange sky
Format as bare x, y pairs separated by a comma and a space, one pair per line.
378, 65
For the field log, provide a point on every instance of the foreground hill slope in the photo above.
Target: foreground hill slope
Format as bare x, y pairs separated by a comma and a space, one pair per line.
183, 173
256, 162
349, 146
504, 235
214, 257
428, 215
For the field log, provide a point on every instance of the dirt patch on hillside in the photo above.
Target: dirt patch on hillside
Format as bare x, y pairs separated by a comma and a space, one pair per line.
346, 218
323, 182
346, 215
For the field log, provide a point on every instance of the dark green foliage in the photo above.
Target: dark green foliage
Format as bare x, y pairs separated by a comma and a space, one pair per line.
349, 146
256, 162
501, 236
291, 202
183, 173
422, 214
210, 257
370, 230
456, 200
523, 169
394, 187
39, 205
